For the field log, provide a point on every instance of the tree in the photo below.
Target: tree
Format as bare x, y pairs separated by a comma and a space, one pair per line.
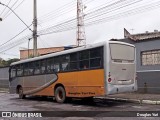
4, 63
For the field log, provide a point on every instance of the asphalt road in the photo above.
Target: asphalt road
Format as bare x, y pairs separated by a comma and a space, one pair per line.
77, 109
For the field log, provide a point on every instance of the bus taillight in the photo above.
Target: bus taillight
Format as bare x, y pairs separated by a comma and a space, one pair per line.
109, 79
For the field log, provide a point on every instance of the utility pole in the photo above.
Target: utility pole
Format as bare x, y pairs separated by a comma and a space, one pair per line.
81, 37
35, 28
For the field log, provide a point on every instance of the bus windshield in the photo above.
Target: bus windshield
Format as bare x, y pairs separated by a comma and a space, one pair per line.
122, 52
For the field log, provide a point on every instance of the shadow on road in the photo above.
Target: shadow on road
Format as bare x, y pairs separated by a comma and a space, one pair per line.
96, 102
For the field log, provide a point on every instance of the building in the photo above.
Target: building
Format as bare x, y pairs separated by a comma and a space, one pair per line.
148, 59
25, 54
4, 77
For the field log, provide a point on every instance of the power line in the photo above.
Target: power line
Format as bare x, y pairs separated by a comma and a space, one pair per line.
11, 8
70, 22
58, 12
16, 16
94, 12
9, 54
14, 36
64, 27
45, 44
50, 30
5, 7
7, 15
15, 43
125, 14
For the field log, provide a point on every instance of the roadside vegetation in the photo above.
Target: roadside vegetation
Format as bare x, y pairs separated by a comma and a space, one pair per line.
4, 63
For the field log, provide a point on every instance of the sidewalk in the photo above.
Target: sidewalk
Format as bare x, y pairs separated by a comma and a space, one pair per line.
4, 90
137, 98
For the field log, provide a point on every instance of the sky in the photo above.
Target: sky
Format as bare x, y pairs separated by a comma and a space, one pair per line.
49, 13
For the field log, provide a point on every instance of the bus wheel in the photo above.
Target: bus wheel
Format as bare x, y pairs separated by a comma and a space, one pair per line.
21, 95
60, 94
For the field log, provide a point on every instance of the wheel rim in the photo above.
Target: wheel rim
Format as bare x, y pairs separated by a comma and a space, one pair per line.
60, 95
20, 92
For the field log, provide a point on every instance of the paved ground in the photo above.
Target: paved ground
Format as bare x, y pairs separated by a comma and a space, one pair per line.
96, 110
138, 96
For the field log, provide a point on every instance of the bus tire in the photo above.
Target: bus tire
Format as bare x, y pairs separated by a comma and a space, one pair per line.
20, 92
60, 94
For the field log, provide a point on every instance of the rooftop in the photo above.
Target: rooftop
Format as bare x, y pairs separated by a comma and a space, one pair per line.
142, 36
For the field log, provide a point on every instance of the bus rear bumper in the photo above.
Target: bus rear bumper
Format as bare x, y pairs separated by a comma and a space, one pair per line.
115, 89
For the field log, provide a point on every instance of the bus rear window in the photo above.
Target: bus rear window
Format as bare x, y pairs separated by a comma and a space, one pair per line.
122, 52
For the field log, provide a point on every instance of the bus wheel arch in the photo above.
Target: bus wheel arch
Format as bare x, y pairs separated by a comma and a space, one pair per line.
60, 93
20, 92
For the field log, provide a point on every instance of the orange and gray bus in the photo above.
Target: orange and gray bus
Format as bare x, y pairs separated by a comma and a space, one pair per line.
84, 72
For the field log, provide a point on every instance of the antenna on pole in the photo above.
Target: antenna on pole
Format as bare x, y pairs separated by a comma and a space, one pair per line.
81, 37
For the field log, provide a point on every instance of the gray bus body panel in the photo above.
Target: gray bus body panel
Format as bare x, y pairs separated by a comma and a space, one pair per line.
32, 84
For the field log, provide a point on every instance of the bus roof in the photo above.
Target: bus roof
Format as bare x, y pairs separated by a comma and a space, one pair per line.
89, 46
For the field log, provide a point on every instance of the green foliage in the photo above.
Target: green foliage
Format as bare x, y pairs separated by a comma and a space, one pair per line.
31, 56
4, 63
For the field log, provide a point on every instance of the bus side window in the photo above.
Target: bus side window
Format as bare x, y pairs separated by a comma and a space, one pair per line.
49, 66
26, 69
57, 64
30, 68
96, 57
37, 69
73, 61
84, 64
84, 59
20, 70
13, 72
43, 66
56, 67
65, 62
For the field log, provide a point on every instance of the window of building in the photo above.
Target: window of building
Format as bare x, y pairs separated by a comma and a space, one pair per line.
150, 57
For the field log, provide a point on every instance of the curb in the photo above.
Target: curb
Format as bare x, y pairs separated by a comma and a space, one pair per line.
151, 102
4, 92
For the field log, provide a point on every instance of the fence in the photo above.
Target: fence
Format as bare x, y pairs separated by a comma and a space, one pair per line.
4, 78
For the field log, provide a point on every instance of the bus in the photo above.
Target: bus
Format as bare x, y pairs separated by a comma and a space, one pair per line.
84, 72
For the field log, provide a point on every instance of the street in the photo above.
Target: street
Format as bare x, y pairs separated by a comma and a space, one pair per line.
11, 102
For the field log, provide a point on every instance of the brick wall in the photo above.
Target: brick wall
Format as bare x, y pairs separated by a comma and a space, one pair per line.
41, 51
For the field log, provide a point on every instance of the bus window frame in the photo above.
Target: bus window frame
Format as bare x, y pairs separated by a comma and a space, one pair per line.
53, 63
